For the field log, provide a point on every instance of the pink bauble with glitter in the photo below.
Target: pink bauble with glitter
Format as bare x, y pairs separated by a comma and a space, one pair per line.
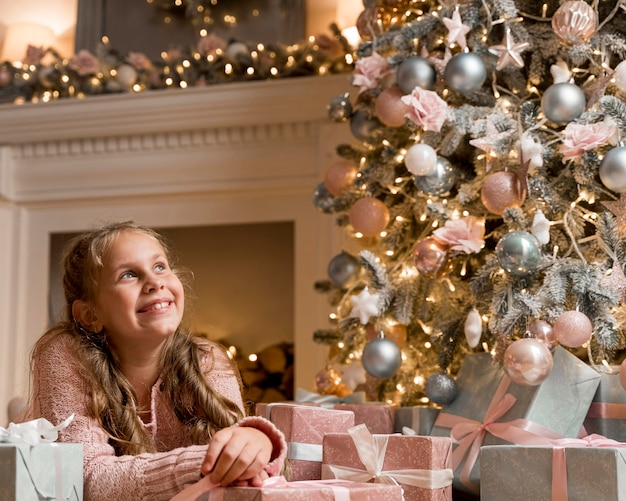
389, 108
340, 176
573, 329
500, 191
369, 216
528, 362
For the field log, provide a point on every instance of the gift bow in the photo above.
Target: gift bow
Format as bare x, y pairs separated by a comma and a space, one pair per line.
470, 434
304, 396
216, 493
371, 450
33, 432
559, 467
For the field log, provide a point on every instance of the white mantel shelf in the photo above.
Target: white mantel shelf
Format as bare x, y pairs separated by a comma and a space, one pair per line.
240, 152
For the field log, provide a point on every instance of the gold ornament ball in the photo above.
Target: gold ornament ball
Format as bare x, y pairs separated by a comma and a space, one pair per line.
327, 381
575, 22
500, 191
339, 177
573, 329
369, 216
389, 108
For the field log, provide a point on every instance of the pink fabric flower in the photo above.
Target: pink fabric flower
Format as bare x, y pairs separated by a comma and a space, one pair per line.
426, 108
369, 70
34, 55
84, 63
581, 138
210, 45
139, 61
466, 234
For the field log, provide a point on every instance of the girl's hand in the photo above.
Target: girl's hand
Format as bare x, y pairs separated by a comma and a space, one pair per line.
237, 454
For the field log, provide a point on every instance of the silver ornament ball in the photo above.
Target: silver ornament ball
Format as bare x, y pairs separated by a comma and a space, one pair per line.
364, 127
441, 389
613, 170
518, 252
340, 108
343, 269
466, 72
440, 181
563, 102
414, 72
381, 358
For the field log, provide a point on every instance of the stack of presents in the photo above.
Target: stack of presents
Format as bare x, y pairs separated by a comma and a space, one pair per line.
564, 439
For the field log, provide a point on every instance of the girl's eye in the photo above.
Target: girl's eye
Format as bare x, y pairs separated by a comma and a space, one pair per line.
160, 267
127, 274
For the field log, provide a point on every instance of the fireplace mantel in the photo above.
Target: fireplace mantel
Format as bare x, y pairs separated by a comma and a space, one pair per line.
234, 153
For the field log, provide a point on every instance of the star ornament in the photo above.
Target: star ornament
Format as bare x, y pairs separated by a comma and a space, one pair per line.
364, 306
616, 280
509, 52
456, 29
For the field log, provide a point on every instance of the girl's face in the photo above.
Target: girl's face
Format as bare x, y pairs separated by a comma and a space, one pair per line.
139, 300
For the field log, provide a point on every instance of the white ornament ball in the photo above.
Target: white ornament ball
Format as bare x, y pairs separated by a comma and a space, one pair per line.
421, 159
613, 170
620, 76
563, 102
473, 328
465, 73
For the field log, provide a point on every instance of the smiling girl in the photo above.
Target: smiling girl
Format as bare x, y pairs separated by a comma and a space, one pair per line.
155, 406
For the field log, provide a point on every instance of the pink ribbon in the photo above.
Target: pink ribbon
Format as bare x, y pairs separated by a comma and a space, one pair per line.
216, 493
604, 410
559, 462
470, 434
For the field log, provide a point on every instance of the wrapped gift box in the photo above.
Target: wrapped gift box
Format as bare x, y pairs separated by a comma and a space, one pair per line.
304, 427
308, 491
607, 413
520, 473
419, 418
421, 465
556, 408
42, 471
377, 416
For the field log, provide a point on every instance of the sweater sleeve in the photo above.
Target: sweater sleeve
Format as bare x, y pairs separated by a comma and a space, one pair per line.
60, 391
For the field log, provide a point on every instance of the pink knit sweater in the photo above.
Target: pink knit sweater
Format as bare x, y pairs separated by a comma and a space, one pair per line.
60, 391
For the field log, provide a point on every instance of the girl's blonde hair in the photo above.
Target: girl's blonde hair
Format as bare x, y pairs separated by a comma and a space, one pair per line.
111, 399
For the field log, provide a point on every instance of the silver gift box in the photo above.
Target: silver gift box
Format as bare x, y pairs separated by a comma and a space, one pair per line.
609, 392
559, 404
520, 473
419, 418
35, 472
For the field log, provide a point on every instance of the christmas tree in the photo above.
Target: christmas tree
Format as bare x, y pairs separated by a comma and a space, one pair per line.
484, 196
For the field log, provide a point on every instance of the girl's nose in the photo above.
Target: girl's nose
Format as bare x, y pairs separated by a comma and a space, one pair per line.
152, 284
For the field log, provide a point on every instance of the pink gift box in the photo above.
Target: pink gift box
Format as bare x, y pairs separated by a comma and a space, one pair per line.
377, 416
420, 464
276, 489
304, 427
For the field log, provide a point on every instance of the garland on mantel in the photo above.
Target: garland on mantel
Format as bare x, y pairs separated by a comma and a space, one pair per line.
44, 75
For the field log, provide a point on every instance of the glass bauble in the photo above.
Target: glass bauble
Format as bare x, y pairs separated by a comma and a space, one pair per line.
528, 362
518, 252
381, 358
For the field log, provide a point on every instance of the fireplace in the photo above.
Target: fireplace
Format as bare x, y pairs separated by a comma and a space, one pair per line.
238, 154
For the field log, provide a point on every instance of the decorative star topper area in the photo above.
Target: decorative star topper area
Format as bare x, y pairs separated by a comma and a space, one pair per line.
365, 305
456, 29
509, 52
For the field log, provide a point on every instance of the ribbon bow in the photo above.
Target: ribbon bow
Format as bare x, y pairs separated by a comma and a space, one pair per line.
371, 450
470, 434
304, 396
33, 432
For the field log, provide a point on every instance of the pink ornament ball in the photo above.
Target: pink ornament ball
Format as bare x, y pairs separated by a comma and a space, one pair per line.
528, 362
573, 329
622, 374
369, 216
500, 191
389, 108
431, 258
339, 177
544, 332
